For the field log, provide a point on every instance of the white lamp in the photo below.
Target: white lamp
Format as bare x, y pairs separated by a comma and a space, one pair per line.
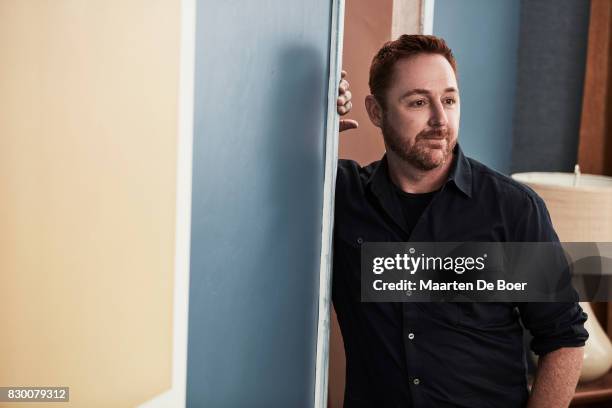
580, 206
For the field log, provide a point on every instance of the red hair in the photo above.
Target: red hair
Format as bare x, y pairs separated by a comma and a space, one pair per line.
406, 46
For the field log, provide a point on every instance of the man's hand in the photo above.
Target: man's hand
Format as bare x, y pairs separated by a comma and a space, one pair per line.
344, 104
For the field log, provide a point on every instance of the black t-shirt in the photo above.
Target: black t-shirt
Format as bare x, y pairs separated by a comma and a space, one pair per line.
412, 206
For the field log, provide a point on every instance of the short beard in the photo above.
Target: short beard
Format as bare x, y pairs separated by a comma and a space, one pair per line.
418, 155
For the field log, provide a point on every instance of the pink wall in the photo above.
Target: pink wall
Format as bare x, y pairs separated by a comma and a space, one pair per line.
367, 26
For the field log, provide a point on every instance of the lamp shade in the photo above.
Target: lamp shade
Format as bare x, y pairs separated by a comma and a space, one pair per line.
580, 205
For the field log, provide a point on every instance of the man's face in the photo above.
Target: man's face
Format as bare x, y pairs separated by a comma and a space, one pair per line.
420, 122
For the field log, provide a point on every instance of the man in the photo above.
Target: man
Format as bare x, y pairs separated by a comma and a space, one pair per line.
425, 190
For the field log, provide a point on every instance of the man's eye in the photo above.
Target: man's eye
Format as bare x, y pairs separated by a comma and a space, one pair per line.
418, 103
450, 101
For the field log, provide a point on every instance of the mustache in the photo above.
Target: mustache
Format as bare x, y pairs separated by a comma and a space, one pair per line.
437, 134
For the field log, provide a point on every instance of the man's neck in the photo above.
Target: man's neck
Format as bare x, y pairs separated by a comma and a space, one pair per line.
414, 180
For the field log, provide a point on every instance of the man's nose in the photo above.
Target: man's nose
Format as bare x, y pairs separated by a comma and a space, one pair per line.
438, 115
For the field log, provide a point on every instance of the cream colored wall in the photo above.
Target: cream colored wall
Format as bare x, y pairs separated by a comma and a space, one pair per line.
88, 133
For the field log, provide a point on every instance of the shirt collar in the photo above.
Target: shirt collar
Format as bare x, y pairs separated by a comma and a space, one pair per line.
460, 175
461, 172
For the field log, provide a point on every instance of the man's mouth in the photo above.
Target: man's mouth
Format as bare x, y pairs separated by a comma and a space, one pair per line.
434, 135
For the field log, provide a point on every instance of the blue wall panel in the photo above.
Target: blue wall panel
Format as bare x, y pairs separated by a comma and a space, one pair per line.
483, 35
260, 108
552, 59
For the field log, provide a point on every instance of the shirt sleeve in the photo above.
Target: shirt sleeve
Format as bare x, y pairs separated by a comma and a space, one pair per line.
553, 325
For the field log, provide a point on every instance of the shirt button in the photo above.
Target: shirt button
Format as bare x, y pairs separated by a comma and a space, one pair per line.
411, 336
416, 381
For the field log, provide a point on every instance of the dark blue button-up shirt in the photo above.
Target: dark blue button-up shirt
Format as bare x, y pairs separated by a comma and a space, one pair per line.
441, 354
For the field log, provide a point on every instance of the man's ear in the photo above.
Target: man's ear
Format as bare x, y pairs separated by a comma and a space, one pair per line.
374, 109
